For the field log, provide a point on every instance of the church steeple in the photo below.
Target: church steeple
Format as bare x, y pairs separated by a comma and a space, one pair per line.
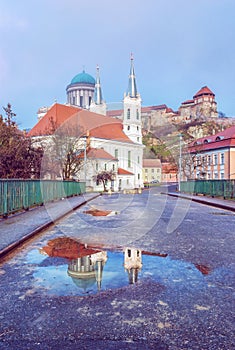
132, 89
132, 109
98, 105
98, 92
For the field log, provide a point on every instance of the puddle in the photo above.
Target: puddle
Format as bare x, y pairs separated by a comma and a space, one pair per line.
65, 266
99, 212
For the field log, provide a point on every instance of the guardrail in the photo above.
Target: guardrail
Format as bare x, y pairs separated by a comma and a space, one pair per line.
18, 195
213, 188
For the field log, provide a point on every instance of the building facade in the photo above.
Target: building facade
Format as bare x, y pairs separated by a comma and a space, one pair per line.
212, 157
152, 170
202, 106
110, 144
81, 90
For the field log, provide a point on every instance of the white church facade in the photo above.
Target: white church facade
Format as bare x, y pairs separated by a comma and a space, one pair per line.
111, 144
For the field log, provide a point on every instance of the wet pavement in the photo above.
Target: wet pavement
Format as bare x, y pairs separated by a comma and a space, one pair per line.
159, 274
17, 228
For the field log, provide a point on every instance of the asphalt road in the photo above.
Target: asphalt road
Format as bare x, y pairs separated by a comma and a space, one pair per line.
183, 299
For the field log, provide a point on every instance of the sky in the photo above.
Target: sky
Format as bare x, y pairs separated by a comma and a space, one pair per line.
179, 46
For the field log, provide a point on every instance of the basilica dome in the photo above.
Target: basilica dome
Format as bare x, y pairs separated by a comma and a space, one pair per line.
81, 90
83, 78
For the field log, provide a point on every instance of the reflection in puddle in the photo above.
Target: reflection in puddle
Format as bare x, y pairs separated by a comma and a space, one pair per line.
66, 266
87, 270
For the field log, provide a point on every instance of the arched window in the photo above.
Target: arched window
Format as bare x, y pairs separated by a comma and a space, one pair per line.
137, 114
128, 113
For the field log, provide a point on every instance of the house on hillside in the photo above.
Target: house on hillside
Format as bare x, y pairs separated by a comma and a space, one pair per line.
202, 106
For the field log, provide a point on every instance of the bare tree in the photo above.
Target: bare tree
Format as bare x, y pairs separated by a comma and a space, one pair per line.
103, 177
64, 151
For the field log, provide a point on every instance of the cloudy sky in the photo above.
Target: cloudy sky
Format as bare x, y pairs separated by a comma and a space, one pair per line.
178, 45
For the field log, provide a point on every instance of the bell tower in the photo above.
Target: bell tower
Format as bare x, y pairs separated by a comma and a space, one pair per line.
132, 109
98, 105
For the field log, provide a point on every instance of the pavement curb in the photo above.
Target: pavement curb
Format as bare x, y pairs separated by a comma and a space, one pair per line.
40, 228
203, 201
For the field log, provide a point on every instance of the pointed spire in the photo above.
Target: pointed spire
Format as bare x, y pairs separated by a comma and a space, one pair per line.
98, 93
132, 89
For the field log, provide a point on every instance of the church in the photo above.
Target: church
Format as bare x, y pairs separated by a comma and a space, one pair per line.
108, 143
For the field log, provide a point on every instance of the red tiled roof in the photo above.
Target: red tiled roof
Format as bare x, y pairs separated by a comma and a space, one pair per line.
118, 112
57, 114
115, 113
222, 139
204, 91
112, 131
99, 153
169, 168
152, 163
80, 121
187, 102
153, 108
124, 172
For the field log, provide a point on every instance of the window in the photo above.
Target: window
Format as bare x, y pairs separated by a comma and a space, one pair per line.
137, 128
137, 114
116, 153
138, 176
81, 101
222, 176
113, 167
209, 160
222, 159
97, 166
128, 113
128, 127
138, 139
146, 170
129, 159
215, 159
105, 167
138, 160
152, 170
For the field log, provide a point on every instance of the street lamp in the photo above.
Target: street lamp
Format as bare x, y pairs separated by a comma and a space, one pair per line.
180, 162
85, 157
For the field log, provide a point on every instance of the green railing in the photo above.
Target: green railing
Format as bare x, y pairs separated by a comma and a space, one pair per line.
214, 188
16, 194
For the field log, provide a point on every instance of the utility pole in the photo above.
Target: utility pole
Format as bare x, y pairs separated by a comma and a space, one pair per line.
180, 163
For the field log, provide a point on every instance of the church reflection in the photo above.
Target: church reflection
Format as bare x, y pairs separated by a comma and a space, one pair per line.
87, 270
86, 263
132, 263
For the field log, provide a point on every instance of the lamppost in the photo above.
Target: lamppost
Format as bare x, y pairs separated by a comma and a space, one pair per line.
180, 162
85, 158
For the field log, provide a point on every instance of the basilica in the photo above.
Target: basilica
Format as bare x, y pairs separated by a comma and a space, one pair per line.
109, 143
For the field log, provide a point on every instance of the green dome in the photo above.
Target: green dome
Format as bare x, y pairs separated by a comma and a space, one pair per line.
83, 78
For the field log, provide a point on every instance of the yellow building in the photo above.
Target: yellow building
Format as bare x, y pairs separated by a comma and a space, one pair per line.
152, 170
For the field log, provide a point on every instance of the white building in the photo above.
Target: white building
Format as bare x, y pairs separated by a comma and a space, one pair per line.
111, 144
